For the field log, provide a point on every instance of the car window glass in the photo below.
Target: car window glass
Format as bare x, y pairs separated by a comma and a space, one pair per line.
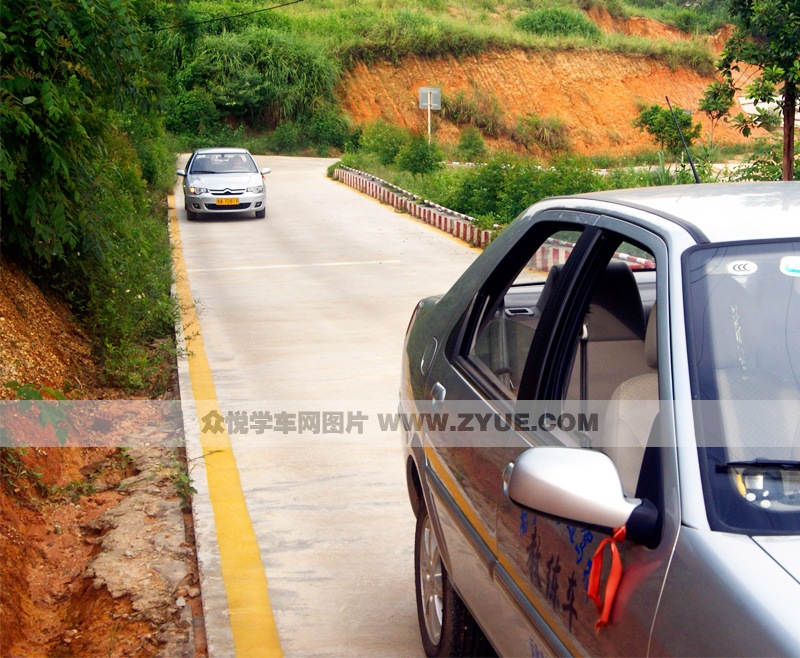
744, 304
614, 367
223, 163
509, 321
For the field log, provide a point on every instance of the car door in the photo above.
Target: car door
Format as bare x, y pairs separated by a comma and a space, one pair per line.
594, 383
469, 389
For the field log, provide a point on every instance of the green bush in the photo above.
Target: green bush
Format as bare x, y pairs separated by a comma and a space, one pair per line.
329, 127
471, 146
548, 133
558, 21
391, 35
660, 123
383, 139
156, 158
766, 162
477, 191
119, 275
478, 108
62, 64
286, 137
262, 75
192, 111
417, 156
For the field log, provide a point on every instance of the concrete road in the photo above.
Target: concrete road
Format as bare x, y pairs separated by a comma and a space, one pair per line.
306, 311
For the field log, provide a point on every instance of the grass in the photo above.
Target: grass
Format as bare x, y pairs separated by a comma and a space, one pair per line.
381, 30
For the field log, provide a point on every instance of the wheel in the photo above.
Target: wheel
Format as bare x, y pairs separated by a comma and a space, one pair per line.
446, 626
191, 215
260, 214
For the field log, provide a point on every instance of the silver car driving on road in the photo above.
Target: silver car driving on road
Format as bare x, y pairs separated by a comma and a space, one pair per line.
602, 430
223, 181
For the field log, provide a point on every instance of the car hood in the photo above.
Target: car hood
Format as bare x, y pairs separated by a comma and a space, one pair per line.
223, 181
784, 550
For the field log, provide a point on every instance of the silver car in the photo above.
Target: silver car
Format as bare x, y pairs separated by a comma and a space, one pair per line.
223, 181
602, 430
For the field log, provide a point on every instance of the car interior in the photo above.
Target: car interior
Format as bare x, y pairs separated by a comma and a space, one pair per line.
615, 358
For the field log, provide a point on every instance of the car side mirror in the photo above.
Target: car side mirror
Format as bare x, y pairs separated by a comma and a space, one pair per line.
180, 172
265, 171
579, 485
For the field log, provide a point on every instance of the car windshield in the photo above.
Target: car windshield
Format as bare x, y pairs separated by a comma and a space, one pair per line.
743, 308
223, 163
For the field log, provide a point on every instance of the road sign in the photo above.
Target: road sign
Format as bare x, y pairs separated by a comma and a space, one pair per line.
430, 98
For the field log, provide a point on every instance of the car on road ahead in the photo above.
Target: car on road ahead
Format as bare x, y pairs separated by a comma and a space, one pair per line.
223, 181
602, 430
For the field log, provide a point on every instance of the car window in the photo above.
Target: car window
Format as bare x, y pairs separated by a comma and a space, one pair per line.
743, 303
508, 320
222, 163
614, 365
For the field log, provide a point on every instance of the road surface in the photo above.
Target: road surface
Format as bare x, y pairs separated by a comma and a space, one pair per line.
305, 311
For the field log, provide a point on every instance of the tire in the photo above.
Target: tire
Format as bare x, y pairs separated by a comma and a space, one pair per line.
446, 626
191, 216
260, 214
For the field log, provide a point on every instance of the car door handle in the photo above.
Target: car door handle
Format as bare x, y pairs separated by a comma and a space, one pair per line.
438, 394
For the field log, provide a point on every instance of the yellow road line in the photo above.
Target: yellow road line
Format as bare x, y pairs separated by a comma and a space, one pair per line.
252, 621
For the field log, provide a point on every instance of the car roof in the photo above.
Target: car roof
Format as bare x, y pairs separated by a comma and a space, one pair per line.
221, 150
719, 211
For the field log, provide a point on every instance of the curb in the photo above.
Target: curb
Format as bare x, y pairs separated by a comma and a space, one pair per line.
458, 225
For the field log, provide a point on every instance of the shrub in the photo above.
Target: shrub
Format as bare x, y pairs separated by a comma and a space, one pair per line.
329, 127
479, 109
383, 139
549, 133
119, 275
286, 137
192, 111
262, 75
471, 147
418, 156
660, 123
392, 35
156, 159
477, 191
558, 21
766, 162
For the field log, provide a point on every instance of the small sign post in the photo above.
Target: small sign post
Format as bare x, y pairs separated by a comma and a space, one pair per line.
430, 98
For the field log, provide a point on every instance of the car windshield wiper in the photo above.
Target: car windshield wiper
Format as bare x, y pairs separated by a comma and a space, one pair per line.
201, 171
763, 464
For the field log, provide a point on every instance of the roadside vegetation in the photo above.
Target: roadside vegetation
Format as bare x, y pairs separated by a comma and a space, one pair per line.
495, 188
271, 76
85, 166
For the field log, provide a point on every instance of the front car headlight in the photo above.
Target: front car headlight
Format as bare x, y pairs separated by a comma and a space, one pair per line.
197, 190
257, 189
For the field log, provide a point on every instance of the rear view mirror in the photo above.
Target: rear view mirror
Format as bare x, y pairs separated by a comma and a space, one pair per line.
579, 485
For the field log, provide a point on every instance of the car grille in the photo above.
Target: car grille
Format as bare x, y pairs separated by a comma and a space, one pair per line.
238, 206
227, 191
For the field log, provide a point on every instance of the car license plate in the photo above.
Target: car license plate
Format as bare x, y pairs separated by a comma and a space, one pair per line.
228, 201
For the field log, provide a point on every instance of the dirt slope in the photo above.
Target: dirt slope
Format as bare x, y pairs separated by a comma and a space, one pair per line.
61, 508
596, 94
29, 321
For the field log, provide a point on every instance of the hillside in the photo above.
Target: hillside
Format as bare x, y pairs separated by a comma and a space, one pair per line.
596, 94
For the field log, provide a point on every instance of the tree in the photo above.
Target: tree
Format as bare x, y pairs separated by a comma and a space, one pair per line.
64, 64
767, 37
716, 103
659, 122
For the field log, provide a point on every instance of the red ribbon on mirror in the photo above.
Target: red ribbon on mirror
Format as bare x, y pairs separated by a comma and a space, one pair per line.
614, 576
